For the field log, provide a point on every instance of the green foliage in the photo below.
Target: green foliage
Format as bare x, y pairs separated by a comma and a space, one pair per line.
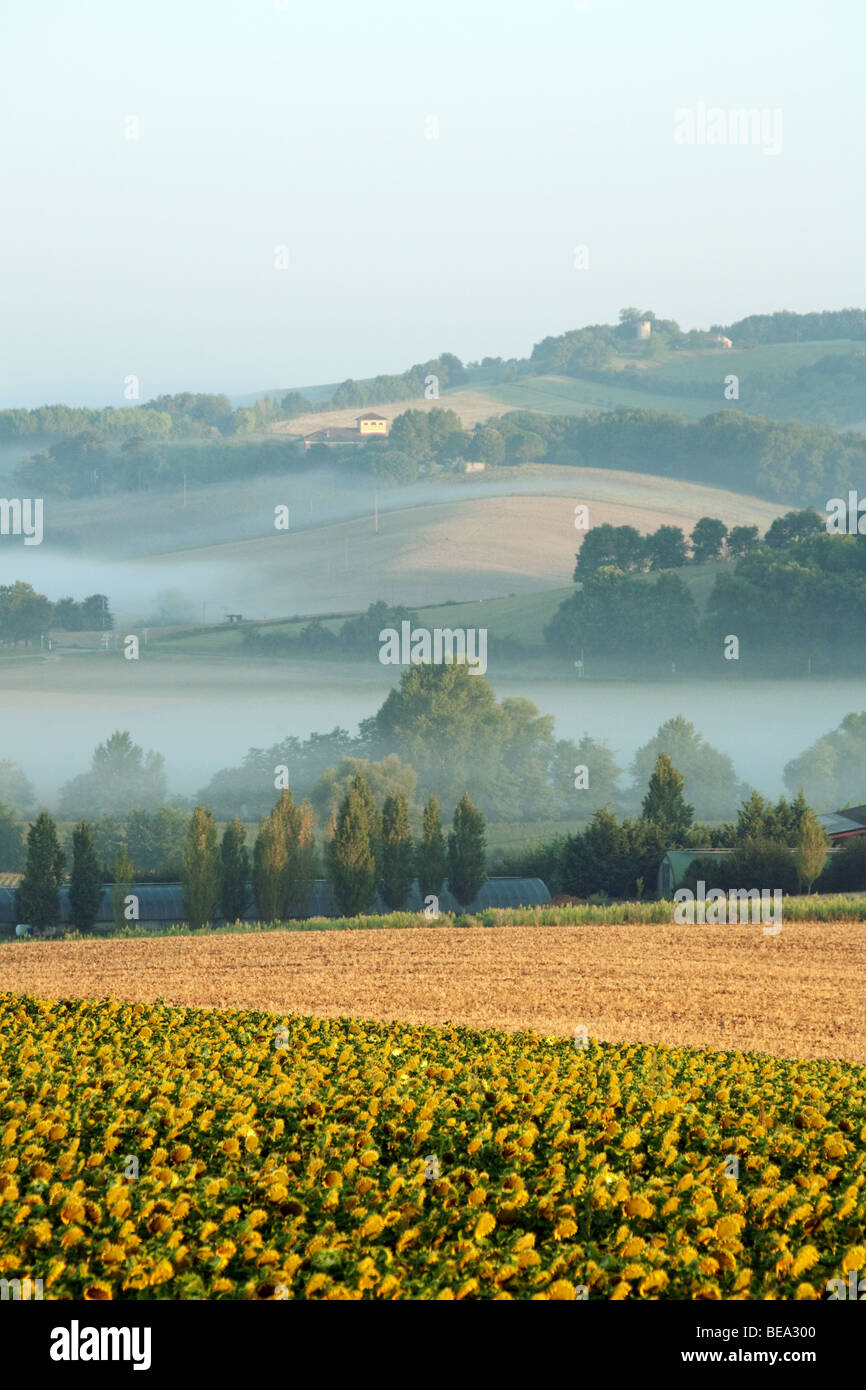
664, 803
38, 895
611, 855
759, 863
279, 865
618, 616
85, 881
832, 772
351, 853
123, 871
846, 871
15, 789
122, 777
708, 539
235, 870
397, 864
201, 880
811, 851
24, 614
710, 782
666, 548
11, 841
431, 859
467, 863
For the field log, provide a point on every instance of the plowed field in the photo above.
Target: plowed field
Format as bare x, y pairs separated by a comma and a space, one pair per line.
799, 994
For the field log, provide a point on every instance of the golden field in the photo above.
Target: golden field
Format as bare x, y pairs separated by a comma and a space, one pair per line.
797, 995
344, 1159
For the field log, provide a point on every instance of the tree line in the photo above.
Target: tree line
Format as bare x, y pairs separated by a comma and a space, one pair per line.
780, 600
367, 850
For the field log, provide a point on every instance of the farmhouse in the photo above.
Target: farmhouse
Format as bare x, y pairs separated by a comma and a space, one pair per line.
367, 426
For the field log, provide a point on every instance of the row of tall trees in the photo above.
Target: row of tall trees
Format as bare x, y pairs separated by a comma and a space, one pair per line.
368, 850
371, 849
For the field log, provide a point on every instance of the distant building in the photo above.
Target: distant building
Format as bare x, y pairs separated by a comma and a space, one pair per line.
371, 423
722, 340
644, 329
333, 434
844, 825
234, 618
368, 426
474, 467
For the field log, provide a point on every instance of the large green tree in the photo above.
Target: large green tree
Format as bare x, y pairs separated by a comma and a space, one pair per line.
201, 882
277, 860
235, 864
467, 858
11, 841
121, 777
431, 860
710, 781
708, 539
351, 852
397, 867
85, 880
38, 897
664, 803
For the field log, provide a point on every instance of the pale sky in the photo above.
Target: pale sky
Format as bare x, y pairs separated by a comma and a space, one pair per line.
264, 124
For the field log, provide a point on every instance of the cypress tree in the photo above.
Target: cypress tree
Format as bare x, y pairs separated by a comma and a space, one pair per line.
85, 882
431, 860
278, 859
124, 882
397, 852
351, 855
201, 879
38, 897
466, 852
235, 862
664, 803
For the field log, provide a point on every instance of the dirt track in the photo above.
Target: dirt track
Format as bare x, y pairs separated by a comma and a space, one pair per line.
799, 994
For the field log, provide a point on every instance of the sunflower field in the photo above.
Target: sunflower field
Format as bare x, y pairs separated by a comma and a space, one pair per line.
149, 1152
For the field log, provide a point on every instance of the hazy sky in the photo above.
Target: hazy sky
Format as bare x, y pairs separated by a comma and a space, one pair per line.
266, 124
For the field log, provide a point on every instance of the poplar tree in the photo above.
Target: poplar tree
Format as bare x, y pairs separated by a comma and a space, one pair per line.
811, 853
431, 859
278, 859
235, 864
397, 869
351, 854
123, 871
38, 896
85, 881
466, 852
202, 878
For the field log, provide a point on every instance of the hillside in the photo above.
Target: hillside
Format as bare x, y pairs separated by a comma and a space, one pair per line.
509, 536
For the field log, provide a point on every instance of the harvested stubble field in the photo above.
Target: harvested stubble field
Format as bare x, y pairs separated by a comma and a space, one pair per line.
800, 994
